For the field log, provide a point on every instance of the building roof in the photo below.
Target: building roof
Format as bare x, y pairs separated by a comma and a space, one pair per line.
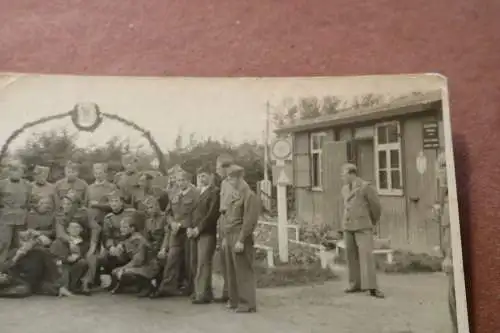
409, 104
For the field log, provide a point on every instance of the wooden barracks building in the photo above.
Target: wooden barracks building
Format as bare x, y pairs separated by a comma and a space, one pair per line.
394, 146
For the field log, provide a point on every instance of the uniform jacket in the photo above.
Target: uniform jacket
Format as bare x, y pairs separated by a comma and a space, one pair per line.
227, 192
135, 250
362, 208
156, 232
46, 190
99, 191
111, 234
91, 230
15, 198
207, 213
128, 184
79, 186
182, 206
242, 213
45, 223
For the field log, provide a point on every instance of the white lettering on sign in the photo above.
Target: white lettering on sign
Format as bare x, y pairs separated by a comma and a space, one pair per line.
421, 163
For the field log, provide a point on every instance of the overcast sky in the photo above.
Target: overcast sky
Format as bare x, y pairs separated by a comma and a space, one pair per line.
222, 108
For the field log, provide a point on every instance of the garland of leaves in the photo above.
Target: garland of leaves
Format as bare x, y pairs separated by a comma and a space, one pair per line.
147, 135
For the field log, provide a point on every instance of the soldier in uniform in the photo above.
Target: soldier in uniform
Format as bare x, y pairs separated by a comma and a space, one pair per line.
205, 217
135, 253
98, 193
41, 187
42, 219
220, 181
180, 253
71, 211
156, 232
362, 212
444, 218
72, 183
15, 197
127, 181
111, 235
240, 221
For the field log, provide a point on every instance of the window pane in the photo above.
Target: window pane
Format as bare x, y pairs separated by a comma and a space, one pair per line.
381, 134
382, 159
392, 133
395, 159
382, 180
315, 170
396, 179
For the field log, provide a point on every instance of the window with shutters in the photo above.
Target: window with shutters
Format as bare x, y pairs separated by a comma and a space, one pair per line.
388, 159
316, 151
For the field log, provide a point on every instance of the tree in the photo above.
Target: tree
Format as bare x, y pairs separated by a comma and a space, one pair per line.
309, 108
331, 105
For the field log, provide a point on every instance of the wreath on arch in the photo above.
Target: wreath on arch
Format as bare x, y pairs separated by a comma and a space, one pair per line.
86, 110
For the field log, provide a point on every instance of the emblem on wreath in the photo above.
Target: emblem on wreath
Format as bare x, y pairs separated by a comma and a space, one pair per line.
86, 116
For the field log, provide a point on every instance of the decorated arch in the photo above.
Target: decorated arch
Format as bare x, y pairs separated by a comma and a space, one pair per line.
87, 117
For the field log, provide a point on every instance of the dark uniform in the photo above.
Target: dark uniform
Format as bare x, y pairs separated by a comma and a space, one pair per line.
181, 250
98, 195
205, 217
240, 221
128, 181
43, 222
15, 197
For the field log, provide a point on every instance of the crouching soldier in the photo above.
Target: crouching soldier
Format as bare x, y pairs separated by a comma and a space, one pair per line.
42, 219
111, 237
239, 224
30, 270
71, 259
181, 255
134, 255
72, 211
156, 232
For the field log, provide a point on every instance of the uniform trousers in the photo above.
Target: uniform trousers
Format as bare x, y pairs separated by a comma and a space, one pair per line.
360, 260
205, 244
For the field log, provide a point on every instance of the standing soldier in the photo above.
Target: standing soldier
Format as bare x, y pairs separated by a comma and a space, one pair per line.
204, 233
71, 183
15, 197
180, 253
240, 222
41, 187
98, 193
444, 217
127, 181
362, 212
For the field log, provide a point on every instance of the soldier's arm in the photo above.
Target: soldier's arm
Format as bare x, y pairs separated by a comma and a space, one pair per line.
212, 214
166, 235
251, 212
106, 230
61, 229
373, 203
85, 198
139, 254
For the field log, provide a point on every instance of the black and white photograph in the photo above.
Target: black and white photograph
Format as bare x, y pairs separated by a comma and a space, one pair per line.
149, 204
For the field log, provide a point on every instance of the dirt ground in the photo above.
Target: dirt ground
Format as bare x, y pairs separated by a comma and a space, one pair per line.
414, 304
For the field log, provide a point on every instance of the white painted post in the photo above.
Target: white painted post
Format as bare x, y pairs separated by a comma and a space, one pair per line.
282, 214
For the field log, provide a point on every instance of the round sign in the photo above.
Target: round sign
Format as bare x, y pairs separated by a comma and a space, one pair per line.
421, 163
281, 149
86, 116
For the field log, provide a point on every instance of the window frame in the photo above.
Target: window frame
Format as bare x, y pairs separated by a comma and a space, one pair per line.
319, 152
387, 147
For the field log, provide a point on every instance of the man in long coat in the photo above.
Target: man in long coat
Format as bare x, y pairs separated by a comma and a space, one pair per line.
240, 221
204, 233
362, 212
15, 198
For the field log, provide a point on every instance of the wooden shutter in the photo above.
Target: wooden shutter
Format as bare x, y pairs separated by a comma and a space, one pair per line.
301, 161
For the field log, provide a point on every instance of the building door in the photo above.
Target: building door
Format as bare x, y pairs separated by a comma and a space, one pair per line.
365, 159
334, 157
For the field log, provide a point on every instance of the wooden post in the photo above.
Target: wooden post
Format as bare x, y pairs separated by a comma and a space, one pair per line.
282, 213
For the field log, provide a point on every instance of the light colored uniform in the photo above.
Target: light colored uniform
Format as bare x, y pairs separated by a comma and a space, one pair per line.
361, 212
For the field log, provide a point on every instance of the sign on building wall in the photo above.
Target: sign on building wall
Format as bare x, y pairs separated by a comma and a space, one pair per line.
430, 135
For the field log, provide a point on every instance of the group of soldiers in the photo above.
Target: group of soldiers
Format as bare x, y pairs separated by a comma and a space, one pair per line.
63, 238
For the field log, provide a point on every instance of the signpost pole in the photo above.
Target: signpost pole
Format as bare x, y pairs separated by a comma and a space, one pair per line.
282, 213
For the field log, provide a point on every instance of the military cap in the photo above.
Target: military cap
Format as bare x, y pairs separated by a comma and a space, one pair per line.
235, 171
115, 195
72, 165
40, 170
349, 168
129, 158
206, 168
173, 170
225, 159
